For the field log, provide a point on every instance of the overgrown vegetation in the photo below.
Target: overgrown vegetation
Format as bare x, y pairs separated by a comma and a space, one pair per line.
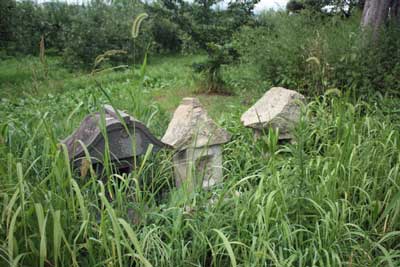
331, 198
305, 49
314, 53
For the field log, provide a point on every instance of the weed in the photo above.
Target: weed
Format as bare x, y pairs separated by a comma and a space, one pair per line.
330, 199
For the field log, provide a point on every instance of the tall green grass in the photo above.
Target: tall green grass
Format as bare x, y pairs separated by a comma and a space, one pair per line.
330, 199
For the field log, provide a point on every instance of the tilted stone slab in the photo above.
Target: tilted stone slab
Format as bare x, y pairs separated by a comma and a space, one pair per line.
279, 108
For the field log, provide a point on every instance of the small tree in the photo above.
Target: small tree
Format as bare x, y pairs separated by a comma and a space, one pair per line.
210, 28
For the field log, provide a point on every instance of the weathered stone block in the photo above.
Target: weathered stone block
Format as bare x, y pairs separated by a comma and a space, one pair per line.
127, 138
279, 109
197, 140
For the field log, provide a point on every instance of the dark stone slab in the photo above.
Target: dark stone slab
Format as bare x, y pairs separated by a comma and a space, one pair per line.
126, 138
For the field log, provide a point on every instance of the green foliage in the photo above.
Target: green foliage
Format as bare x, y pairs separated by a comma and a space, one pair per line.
202, 25
7, 8
28, 26
210, 69
81, 32
168, 37
26, 22
312, 54
329, 199
60, 19
98, 28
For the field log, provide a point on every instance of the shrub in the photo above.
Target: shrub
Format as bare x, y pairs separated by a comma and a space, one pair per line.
7, 8
315, 53
81, 32
211, 68
29, 24
166, 35
99, 28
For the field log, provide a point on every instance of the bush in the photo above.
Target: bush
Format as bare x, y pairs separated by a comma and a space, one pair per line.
80, 33
166, 35
59, 18
315, 53
99, 28
7, 8
28, 25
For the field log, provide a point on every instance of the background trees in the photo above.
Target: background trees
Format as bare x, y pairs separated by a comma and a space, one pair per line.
6, 10
98, 28
317, 45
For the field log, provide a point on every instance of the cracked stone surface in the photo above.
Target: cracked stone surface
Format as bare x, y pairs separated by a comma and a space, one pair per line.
197, 140
278, 108
192, 127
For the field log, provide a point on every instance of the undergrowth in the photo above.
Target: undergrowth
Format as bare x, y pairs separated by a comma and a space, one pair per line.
330, 199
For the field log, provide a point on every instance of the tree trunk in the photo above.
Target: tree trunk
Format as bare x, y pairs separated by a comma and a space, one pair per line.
376, 13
